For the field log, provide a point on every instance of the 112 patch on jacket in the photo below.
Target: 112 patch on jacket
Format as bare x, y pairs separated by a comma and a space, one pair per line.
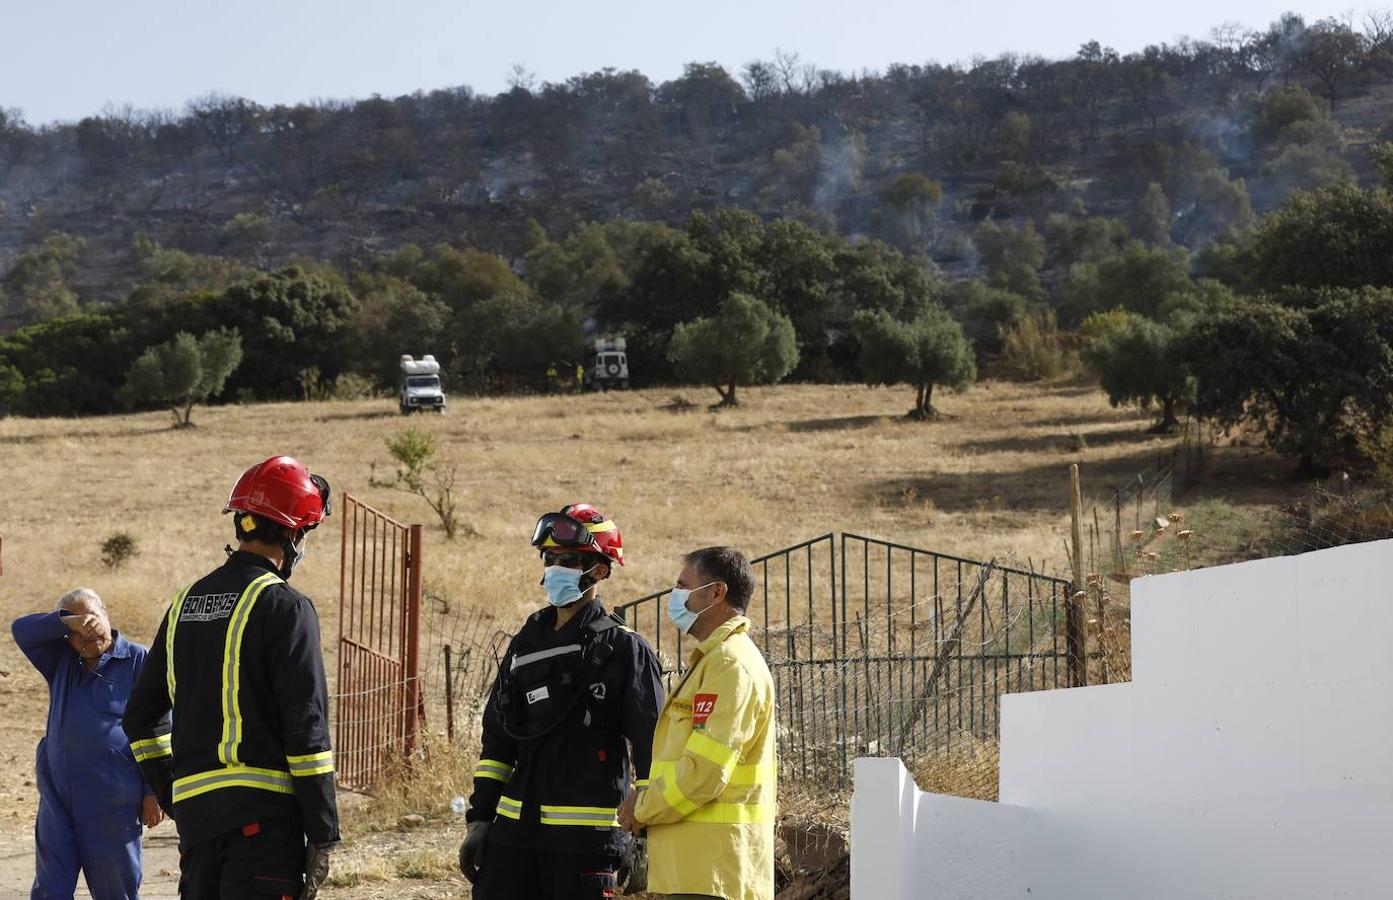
702, 707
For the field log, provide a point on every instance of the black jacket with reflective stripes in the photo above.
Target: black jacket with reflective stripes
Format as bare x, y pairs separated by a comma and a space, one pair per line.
250, 707
563, 713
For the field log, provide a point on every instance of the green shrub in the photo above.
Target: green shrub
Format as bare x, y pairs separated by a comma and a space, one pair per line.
352, 386
1033, 349
119, 549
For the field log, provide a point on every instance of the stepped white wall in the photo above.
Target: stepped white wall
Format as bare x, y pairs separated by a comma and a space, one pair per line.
1251, 757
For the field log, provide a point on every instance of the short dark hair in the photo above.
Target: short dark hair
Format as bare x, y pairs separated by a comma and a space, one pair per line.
728, 565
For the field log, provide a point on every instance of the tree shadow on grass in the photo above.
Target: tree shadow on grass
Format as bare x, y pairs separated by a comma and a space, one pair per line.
841, 423
28, 439
1043, 488
358, 416
1104, 417
1060, 442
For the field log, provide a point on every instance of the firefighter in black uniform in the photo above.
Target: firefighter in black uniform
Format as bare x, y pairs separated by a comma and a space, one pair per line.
247, 772
575, 692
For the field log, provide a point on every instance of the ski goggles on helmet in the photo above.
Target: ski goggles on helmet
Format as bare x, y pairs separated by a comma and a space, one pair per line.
325, 495
560, 530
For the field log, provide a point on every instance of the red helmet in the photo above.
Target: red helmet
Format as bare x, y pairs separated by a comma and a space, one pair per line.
282, 490
582, 527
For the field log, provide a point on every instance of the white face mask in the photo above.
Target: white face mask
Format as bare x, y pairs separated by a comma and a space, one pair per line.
677, 610
563, 585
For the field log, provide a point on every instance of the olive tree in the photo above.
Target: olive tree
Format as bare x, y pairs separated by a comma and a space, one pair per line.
925, 351
1136, 361
746, 342
184, 371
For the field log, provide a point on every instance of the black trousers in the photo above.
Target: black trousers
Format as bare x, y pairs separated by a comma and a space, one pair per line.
264, 859
512, 873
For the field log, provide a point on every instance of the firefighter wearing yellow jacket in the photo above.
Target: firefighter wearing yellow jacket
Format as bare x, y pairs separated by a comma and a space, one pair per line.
709, 807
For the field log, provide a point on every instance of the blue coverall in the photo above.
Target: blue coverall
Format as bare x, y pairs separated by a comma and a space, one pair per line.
90, 788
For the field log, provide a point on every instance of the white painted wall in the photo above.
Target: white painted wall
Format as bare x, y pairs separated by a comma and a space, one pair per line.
1251, 757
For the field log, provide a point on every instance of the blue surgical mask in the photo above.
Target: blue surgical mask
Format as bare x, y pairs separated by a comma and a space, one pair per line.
677, 610
563, 585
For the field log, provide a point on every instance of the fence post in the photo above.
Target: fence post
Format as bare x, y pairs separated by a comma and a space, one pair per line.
1117, 528
1102, 629
1075, 637
412, 634
449, 698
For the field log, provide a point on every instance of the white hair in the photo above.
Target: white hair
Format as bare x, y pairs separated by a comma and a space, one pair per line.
82, 593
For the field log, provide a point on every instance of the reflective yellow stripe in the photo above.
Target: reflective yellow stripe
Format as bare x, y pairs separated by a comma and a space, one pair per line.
151, 748
492, 768
172, 622
713, 751
740, 776
593, 816
641, 783
311, 764
601, 527
273, 780
675, 798
509, 807
734, 813
231, 667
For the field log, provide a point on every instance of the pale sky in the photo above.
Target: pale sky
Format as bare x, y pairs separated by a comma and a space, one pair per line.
63, 59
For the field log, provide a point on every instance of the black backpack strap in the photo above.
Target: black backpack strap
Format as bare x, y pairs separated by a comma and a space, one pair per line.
604, 623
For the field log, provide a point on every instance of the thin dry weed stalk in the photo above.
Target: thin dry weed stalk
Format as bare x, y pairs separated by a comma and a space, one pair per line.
425, 788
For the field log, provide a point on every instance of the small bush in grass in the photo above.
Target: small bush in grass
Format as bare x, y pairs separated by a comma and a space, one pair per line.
421, 864
423, 473
426, 787
1376, 446
355, 872
352, 386
119, 549
1033, 349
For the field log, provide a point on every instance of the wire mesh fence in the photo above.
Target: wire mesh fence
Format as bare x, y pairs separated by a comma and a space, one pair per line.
878, 648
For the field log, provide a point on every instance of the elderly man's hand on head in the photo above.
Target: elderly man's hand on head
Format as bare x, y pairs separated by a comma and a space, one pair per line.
89, 629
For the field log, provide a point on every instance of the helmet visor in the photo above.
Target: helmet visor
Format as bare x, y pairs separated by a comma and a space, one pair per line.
562, 531
322, 483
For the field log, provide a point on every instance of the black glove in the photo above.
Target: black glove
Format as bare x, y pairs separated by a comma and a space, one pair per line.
471, 852
633, 870
316, 870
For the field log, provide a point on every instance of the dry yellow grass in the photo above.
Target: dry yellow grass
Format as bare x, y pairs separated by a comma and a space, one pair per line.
791, 463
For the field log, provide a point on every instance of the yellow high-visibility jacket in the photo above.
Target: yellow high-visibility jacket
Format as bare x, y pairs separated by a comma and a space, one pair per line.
710, 803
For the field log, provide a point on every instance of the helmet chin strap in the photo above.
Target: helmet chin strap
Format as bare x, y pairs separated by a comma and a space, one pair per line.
290, 556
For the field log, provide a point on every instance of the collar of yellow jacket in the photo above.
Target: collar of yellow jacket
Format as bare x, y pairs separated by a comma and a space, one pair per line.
733, 625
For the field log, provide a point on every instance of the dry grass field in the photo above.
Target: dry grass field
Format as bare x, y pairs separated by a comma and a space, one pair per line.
989, 479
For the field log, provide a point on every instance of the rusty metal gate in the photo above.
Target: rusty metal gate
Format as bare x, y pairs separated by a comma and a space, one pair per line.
378, 696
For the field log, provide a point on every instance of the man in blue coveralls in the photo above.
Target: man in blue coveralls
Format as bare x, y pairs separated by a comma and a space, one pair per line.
92, 800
